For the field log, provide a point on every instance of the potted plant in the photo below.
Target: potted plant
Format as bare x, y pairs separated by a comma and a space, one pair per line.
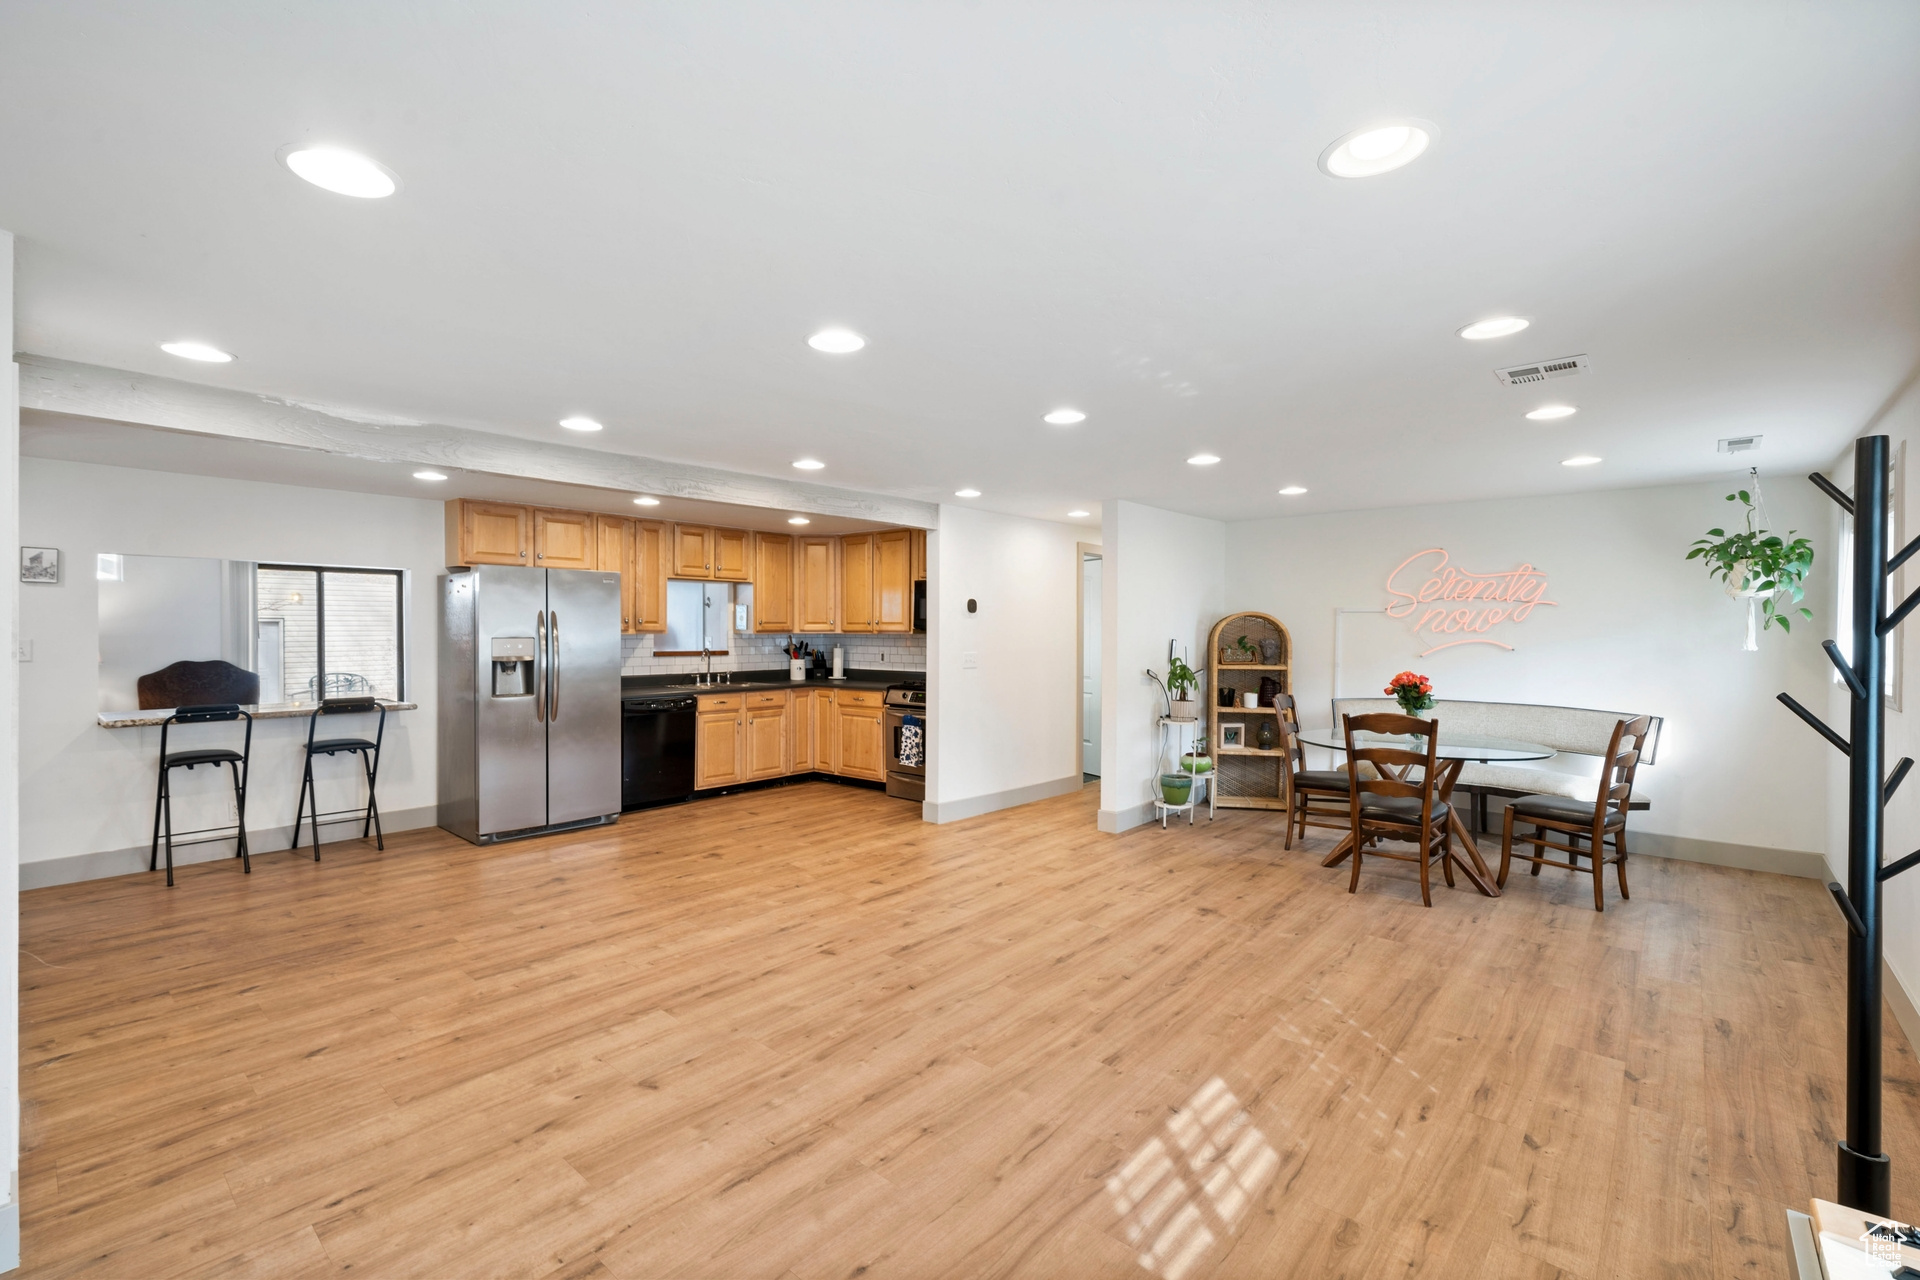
1244, 647
1413, 692
1756, 563
1175, 787
1181, 682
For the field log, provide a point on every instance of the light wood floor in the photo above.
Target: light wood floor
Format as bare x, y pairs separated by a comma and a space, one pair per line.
799, 1034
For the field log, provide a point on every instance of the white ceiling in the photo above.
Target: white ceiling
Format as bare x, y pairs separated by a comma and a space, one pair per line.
639, 212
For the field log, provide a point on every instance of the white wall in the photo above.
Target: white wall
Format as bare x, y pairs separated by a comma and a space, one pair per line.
9, 782
1637, 628
87, 794
1002, 682
1163, 578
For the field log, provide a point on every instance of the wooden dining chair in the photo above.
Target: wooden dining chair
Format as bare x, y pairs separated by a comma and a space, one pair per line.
1577, 819
1388, 801
1315, 797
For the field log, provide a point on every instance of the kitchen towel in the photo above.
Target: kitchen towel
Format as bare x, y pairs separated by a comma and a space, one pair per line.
913, 741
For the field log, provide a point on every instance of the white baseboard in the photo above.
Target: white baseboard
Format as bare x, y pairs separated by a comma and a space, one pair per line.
1785, 862
10, 1235
974, 806
1114, 821
260, 840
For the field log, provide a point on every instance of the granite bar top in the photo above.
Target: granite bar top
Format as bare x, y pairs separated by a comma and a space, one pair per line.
274, 711
757, 681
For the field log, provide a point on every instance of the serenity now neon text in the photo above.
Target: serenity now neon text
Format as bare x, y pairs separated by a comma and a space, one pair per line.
1453, 602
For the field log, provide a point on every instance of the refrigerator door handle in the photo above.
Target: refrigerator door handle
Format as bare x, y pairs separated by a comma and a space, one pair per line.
553, 666
541, 661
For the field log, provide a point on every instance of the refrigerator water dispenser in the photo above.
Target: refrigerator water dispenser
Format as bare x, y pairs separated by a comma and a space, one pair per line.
513, 666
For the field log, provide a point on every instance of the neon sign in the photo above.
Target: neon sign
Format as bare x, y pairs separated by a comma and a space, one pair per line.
1453, 602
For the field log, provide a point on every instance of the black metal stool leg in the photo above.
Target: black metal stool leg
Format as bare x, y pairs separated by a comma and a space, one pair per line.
166, 805
240, 811
159, 793
300, 806
313, 799
373, 806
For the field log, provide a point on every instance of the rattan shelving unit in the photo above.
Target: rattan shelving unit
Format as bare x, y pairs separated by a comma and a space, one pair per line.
1247, 777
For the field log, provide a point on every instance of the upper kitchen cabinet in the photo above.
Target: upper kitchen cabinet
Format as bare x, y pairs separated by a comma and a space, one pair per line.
613, 538
564, 540
487, 533
773, 582
816, 566
692, 553
919, 555
651, 539
730, 562
893, 580
856, 582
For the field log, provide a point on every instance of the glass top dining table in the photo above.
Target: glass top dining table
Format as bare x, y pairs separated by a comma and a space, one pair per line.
1455, 749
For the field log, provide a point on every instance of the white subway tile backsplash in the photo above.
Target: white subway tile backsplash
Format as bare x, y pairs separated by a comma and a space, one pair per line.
766, 653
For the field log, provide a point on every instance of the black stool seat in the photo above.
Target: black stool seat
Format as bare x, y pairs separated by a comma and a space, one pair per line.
327, 746
212, 755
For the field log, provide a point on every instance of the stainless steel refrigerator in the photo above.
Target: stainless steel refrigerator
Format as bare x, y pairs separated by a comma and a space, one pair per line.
529, 701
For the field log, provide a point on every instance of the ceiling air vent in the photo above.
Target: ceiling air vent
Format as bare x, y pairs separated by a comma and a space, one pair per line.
1740, 444
1523, 375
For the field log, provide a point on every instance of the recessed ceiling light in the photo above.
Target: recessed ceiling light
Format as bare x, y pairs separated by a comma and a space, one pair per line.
428, 475
809, 464
1075, 515
966, 493
1580, 460
1496, 327
343, 172
580, 424
196, 351
1292, 491
1202, 460
1376, 149
1065, 417
1548, 412
837, 342
798, 520
646, 502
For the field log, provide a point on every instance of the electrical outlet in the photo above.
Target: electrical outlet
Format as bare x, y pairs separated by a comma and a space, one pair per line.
25, 653
969, 660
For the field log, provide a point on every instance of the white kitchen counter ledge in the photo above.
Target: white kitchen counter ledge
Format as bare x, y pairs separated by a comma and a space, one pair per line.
273, 711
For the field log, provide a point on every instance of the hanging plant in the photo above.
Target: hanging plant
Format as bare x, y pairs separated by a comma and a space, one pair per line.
1758, 563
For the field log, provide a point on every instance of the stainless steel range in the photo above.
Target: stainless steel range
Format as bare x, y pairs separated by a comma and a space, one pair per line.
907, 738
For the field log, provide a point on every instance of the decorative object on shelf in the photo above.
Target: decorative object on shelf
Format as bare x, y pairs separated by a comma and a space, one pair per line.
1865, 1170
40, 564
1413, 692
1194, 763
1182, 680
1244, 777
1176, 787
1226, 695
1761, 566
1268, 737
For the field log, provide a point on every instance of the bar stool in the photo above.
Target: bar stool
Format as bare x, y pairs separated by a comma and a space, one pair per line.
189, 760
369, 753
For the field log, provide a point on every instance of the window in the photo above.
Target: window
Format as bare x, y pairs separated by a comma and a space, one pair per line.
328, 633
699, 618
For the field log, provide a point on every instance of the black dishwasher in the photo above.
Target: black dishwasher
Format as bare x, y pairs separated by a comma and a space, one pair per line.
656, 751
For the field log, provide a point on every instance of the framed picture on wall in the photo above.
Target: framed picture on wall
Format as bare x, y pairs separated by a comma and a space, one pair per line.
40, 564
1232, 735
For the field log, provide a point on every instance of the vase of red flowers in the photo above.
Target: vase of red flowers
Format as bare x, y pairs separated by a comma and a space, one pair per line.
1412, 692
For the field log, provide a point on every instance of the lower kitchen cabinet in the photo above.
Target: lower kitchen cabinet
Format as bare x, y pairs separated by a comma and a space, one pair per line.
858, 729
800, 732
766, 735
717, 743
752, 737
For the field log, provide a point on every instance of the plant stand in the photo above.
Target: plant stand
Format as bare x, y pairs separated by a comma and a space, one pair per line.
1201, 781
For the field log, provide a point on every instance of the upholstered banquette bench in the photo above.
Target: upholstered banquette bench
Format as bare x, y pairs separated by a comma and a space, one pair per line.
1578, 735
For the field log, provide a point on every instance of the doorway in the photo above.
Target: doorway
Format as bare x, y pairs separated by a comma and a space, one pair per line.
1089, 663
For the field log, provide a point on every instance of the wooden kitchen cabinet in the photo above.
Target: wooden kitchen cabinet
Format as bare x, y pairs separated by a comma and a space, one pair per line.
919, 554
767, 735
731, 559
856, 582
692, 554
650, 549
717, 745
613, 539
800, 732
772, 582
487, 533
816, 565
893, 580
858, 727
563, 540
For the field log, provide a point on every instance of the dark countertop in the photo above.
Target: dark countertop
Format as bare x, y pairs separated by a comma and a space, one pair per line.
756, 681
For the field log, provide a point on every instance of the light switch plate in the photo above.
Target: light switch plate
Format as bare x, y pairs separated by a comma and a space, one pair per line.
26, 651
969, 660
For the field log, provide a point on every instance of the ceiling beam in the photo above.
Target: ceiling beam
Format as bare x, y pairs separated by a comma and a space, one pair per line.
116, 395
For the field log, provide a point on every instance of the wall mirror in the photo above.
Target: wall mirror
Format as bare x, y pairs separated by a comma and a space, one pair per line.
285, 633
